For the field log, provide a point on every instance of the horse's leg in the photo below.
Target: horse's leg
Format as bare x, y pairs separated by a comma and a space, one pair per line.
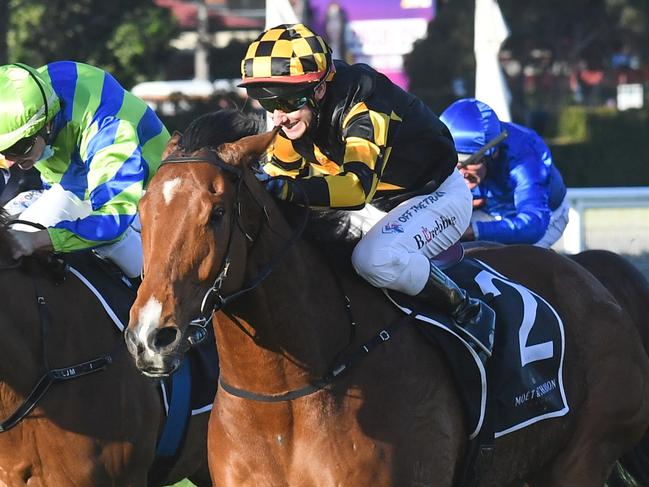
586, 462
192, 460
588, 467
196, 455
612, 420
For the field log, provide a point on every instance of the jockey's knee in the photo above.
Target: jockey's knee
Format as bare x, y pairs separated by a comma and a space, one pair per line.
390, 268
125, 253
380, 267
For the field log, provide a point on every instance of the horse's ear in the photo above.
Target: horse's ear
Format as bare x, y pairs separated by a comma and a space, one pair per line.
172, 145
248, 149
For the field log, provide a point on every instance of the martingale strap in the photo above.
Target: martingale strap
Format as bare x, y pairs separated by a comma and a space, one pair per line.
336, 371
51, 376
44, 383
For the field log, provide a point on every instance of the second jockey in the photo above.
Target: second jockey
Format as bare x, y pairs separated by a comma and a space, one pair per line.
96, 147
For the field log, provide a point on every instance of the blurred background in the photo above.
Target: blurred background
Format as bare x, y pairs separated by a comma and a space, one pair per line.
575, 71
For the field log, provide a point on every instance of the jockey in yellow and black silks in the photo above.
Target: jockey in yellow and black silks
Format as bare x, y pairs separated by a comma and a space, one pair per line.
353, 140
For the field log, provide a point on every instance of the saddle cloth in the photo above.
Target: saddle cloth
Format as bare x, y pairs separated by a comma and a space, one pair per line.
522, 382
191, 389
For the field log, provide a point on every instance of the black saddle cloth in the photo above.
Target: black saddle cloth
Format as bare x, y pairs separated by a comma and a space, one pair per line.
118, 292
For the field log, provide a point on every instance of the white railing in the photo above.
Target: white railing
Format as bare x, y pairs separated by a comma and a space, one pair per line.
612, 218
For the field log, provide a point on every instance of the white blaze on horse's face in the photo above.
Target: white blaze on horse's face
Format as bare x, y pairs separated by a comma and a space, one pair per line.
148, 319
169, 189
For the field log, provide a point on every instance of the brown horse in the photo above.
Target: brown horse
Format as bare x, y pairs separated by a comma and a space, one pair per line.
630, 289
98, 429
624, 281
215, 239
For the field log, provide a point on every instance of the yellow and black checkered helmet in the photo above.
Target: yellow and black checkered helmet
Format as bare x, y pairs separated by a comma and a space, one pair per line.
286, 54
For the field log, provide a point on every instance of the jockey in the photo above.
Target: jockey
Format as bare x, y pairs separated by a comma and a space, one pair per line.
96, 147
350, 137
519, 195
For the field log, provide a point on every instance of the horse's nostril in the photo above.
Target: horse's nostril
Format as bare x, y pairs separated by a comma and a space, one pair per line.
131, 343
165, 337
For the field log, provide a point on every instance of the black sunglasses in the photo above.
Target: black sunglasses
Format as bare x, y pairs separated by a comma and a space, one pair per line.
22, 147
286, 105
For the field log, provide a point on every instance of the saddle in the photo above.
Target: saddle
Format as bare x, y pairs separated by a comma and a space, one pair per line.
522, 379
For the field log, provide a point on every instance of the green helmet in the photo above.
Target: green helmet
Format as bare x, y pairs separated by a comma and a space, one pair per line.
24, 98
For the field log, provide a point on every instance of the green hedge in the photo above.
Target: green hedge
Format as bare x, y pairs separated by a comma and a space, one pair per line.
601, 147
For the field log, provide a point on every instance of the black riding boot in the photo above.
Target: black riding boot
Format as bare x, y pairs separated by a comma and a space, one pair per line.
472, 315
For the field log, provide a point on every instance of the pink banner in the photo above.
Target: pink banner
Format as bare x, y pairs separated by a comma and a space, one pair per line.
376, 32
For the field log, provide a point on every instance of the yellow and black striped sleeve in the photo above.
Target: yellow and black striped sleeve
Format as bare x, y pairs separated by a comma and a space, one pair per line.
283, 159
364, 133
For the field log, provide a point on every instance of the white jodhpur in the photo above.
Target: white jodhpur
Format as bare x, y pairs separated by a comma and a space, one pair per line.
395, 253
54, 205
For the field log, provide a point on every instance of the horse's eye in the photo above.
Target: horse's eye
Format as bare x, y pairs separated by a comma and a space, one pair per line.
217, 214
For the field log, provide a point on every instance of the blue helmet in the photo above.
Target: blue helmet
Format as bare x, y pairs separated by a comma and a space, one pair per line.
473, 125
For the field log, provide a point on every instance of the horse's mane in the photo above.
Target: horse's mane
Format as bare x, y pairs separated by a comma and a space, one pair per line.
216, 128
327, 230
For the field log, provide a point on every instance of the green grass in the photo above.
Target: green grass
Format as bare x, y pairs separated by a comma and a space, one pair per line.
184, 483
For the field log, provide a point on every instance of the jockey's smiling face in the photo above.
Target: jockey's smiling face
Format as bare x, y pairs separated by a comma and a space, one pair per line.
296, 123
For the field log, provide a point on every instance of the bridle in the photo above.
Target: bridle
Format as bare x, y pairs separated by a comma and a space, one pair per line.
214, 299
342, 362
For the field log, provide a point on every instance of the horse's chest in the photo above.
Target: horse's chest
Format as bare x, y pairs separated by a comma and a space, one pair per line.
303, 456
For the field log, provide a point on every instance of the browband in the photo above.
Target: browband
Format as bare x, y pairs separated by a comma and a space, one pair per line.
204, 155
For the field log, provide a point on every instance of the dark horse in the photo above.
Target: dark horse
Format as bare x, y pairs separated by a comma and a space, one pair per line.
624, 281
95, 430
214, 238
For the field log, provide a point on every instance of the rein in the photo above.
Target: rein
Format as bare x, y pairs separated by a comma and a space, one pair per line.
214, 294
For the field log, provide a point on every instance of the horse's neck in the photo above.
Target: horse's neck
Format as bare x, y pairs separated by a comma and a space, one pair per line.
20, 339
287, 330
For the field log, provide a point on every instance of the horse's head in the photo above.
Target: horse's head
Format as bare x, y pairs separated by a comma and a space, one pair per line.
194, 235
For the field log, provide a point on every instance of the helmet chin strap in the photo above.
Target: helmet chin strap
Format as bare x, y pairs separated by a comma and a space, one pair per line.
315, 120
315, 106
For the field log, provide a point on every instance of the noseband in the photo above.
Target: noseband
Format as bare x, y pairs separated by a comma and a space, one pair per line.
214, 293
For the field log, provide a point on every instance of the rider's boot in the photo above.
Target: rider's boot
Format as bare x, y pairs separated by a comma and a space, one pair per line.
472, 315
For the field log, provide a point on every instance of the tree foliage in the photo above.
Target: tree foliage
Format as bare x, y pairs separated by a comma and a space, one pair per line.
4, 24
129, 38
590, 30
226, 61
567, 33
444, 55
